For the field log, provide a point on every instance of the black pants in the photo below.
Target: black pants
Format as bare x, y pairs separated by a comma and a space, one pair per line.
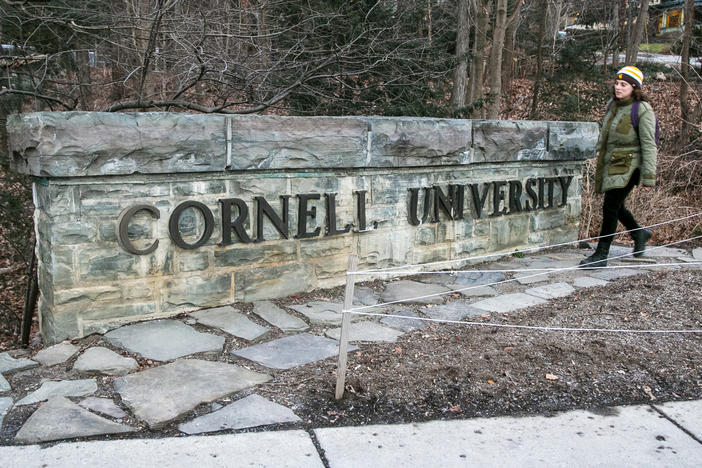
613, 210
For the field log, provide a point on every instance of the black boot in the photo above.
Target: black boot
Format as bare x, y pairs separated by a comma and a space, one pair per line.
640, 238
597, 259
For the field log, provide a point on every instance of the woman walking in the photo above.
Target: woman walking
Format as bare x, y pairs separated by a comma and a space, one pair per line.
626, 157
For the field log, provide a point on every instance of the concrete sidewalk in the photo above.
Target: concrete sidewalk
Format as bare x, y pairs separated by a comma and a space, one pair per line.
668, 434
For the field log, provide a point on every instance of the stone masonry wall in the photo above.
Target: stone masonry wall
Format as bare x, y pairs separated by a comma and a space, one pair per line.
91, 168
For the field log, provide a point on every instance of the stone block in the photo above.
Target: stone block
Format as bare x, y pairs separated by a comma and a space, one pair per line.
547, 220
195, 291
263, 283
410, 142
270, 186
135, 189
426, 235
56, 199
106, 208
325, 247
278, 317
332, 267
382, 248
57, 325
193, 261
386, 216
393, 188
267, 142
112, 311
572, 140
251, 411
430, 254
103, 361
509, 232
316, 183
70, 144
198, 187
136, 289
60, 269
254, 254
87, 295
469, 248
107, 264
107, 231
481, 228
53, 389
366, 331
502, 140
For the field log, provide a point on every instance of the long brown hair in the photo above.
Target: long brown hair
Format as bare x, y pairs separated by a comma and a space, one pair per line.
637, 94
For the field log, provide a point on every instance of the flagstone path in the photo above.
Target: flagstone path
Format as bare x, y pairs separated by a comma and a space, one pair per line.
198, 373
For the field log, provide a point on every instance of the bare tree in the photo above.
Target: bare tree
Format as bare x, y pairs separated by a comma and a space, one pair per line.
230, 56
460, 72
632, 49
481, 10
543, 5
495, 66
688, 120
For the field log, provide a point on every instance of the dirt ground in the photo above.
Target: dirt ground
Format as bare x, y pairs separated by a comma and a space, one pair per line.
455, 371
444, 371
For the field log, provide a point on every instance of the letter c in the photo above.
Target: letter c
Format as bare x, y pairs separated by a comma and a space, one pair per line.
123, 229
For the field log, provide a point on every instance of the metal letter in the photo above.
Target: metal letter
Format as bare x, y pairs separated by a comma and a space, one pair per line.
565, 183
237, 225
498, 196
361, 209
451, 205
263, 208
303, 212
413, 218
478, 199
331, 216
534, 198
174, 232
515, 196
123, 229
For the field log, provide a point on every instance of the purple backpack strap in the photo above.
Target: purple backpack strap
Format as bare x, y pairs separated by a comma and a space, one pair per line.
635, 115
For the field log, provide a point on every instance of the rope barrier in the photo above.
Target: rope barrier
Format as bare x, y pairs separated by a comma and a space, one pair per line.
527, 250
348, 311
530, 327
576, 267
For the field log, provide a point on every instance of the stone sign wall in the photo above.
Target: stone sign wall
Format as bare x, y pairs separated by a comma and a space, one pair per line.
149, 215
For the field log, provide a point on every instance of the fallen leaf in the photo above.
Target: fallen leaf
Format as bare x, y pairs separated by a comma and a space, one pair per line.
551, 377
509, 348
398, 350
485, 317
648, 391
455, 409
491, 382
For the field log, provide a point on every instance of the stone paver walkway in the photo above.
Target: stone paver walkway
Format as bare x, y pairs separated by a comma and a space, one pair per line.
168, 372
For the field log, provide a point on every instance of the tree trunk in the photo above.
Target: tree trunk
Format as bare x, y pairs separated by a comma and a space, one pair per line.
498, 42
458, 93
619, 21
689, 18
510, 44
482, 8
83, 75
641, 20
540, 57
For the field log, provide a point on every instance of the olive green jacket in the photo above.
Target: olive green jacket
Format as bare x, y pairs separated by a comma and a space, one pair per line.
621, 150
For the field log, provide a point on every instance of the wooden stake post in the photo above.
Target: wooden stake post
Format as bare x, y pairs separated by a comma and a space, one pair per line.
345, 325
